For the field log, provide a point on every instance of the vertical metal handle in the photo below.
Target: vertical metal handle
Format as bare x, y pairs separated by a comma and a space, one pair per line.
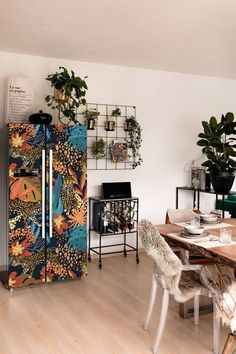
43, 194
50, 192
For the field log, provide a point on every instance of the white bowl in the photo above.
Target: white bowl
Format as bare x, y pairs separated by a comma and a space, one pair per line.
208, 217
194, 230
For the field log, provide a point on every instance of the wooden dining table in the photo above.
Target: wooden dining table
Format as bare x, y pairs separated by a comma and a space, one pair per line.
222, 254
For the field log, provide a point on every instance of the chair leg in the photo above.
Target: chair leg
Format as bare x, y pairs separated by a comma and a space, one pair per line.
216, 328
162, 321
228, 345
196, 310
151, 302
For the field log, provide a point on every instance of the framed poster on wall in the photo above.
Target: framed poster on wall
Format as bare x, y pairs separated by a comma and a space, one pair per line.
19, 99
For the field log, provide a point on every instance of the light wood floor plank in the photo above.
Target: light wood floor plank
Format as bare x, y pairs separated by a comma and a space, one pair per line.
102, 314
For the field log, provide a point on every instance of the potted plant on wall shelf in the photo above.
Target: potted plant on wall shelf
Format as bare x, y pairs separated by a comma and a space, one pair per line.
99, 149
128, 123
218, 145
69, 93
110, 123
134, 140
91, 116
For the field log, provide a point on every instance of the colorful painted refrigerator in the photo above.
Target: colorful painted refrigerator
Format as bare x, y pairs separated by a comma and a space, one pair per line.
47, 206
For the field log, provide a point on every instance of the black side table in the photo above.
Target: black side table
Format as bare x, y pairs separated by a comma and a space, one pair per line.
111, 217
196, 196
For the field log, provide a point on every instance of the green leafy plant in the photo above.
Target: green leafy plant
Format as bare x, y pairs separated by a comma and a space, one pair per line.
134, 140
218, 143
91, 113
116, 112
99, 149
72, 91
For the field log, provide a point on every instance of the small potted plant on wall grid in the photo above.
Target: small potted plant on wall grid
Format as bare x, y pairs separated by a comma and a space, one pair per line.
99, 149
110, 122
128, 123
91, 116
134, 140
69, 93
218, 145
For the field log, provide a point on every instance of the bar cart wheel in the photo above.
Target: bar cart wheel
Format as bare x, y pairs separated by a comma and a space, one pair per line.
89, 258
100, 265
137, 259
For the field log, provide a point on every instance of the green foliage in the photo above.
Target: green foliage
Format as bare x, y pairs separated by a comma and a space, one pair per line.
72, 87
91, 113
99, 149
116, 112
218, 143
134, 140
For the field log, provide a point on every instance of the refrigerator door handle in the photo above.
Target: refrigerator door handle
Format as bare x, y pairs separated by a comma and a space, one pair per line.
43, 193
50, 192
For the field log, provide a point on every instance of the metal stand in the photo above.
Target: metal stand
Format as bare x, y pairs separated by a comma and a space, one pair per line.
196, 197
115, 217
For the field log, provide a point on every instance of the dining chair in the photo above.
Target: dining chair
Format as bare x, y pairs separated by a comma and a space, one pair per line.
173, 277
221, 282
180, 215
174, 216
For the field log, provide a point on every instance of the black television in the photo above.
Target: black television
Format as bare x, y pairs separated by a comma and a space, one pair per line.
116, 190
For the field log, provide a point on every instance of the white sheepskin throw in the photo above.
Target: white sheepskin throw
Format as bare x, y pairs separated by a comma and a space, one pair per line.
181, 215
168, 263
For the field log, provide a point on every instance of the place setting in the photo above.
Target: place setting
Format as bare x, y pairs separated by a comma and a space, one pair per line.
213, 220
195, 232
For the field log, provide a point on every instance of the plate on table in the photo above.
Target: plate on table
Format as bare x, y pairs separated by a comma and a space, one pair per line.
187, 235
204, 222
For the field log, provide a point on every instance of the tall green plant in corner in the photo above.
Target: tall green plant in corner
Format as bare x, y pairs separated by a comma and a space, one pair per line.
218, 145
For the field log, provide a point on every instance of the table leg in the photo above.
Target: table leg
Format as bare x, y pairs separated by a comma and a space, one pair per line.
177, 198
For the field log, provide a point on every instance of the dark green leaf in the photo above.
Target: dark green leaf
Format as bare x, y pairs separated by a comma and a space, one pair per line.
202, 142
213, 123
229, 117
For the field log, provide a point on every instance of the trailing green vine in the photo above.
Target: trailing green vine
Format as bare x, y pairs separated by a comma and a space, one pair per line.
134, 140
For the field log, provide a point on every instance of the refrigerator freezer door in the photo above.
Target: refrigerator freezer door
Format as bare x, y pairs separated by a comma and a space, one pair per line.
67, 184
26, 243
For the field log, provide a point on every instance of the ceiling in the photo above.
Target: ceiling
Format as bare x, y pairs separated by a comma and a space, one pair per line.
191, 36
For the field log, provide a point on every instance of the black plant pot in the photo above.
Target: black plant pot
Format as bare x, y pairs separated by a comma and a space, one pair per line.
110, 125
91, 124
222, 182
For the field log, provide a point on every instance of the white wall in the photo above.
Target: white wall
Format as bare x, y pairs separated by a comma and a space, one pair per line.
170, 107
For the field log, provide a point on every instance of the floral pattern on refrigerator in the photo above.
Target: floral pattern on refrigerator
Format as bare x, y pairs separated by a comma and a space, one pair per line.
47, 240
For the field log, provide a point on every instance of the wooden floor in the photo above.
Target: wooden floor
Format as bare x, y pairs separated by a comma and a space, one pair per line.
103, 313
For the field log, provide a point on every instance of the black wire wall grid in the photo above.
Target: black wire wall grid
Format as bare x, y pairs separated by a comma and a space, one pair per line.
118, 135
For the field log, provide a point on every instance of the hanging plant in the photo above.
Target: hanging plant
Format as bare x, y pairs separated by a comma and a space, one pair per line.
134, 140
69, 93
110, 122
91, 116
99, 149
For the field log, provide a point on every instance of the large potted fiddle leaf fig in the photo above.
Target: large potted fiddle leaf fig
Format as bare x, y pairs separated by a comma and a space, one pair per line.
218, 145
